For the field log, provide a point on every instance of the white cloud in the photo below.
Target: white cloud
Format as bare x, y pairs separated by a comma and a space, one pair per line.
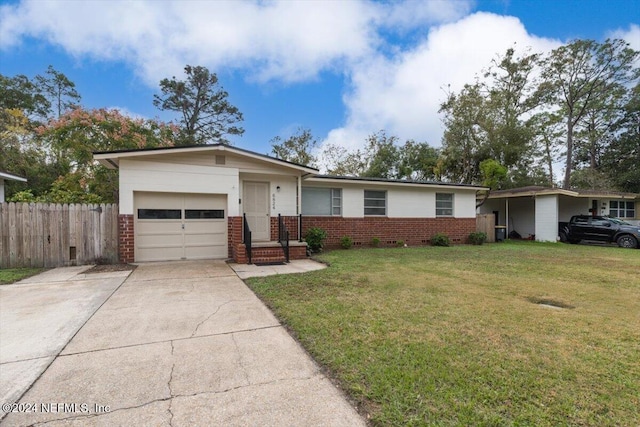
411, 14
402, 94
631, 36
289, 41
390, 85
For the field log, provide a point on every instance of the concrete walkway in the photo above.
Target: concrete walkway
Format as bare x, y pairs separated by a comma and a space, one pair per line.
245, 271
183, 344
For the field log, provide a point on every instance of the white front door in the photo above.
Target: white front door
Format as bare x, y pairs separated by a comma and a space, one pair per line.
256, 208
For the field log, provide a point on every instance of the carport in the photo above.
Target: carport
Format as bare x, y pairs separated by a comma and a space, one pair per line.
534, 212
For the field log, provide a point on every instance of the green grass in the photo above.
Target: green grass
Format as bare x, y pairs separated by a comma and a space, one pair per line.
11, 275
454, 336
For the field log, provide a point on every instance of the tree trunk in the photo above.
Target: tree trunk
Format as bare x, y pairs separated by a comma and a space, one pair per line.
567, 172
550, 163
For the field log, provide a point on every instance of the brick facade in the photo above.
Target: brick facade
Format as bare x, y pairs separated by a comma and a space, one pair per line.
292, 225
126, 239
234, 237
413, 231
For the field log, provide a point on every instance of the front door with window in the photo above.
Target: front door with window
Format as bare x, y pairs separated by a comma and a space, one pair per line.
256, 208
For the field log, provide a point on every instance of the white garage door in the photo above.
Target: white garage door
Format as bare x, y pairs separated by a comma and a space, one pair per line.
173, 226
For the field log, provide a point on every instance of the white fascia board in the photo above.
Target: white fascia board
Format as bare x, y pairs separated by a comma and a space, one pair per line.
366, 183
111, 160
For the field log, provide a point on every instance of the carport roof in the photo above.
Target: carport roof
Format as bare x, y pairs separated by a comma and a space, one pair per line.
111, 159
539, 191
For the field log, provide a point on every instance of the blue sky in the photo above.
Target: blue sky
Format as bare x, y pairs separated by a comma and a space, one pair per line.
343, 69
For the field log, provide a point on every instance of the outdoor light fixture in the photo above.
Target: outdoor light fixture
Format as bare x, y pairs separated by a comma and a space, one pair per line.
278, 188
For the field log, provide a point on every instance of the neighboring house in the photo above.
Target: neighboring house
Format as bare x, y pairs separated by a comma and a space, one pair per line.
4, 176
189, 203
536, 211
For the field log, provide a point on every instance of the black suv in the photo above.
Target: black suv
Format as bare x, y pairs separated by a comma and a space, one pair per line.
600, 228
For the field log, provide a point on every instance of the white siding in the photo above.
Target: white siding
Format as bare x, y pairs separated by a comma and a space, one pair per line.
522, 216
352, 201
284, 201
176, 178
546, 214
280, 202
464, 204
208, 158
411, 203
402, 202
569, 206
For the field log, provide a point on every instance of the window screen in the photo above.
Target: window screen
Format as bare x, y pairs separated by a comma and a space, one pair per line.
444, 204
375, 202
321, 201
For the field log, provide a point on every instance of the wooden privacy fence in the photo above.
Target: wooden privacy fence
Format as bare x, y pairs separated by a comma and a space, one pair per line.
55, 235
486, 224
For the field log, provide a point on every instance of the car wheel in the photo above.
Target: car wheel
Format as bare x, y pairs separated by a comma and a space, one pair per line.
563, 237
627, 241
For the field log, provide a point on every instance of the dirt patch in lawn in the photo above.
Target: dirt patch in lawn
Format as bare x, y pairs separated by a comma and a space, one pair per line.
549, 302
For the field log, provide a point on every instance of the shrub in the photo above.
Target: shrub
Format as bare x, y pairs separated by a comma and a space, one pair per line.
440, 239
375, 242
346, 242
25, 196
315, 238
400, 243
477, 238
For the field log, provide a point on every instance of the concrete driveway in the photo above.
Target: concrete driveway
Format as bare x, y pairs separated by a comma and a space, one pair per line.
40, 315
182, 344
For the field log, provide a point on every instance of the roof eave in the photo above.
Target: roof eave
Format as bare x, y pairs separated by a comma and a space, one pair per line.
381, 182
113, 157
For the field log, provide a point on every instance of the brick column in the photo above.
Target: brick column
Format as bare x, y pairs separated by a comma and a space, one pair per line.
125, 238
234, 236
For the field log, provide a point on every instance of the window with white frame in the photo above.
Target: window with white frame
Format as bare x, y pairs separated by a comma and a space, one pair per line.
321, 201
375, 202
622, 209
444, 204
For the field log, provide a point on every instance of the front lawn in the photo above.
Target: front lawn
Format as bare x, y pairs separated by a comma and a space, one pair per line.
10, 275
467, 335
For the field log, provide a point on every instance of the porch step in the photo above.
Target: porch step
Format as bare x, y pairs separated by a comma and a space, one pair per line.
267, 261
272, 252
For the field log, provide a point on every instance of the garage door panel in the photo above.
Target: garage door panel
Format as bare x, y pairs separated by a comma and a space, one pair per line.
160, 253
157, 240
205, 251
200, 233
159, 227
205, 239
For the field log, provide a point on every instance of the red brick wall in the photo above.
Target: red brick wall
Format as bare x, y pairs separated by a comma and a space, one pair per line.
240, 254
413, 231
125, 239
297, 252
292, 225
234, 235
